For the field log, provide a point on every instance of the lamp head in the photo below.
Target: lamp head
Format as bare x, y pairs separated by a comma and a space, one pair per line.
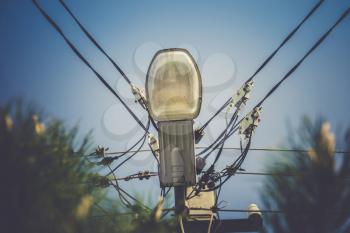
173, 86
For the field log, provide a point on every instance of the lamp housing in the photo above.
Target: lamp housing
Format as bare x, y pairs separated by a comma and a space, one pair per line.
174, 95
173, 86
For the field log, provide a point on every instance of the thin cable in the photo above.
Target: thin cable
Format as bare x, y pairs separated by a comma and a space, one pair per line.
118, 189
82, 58
264, 211
134, 199
318, 42
210, 223
290, 35
132, 155
111, 159
210, 176
238, 148
93, 40
276, 150
267, 60
222, 135
215, 114
181, 224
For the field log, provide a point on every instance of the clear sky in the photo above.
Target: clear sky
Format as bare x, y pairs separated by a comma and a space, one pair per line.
229, 39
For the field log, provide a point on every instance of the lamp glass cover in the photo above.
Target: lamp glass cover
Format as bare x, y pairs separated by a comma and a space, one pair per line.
174, 87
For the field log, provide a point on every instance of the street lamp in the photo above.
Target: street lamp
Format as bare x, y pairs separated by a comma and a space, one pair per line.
174, 94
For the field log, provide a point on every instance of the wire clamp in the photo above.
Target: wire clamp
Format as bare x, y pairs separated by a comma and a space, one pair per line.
250, 122
242, 95
139, 95
154, 144
101, 151
198, 135
141, 175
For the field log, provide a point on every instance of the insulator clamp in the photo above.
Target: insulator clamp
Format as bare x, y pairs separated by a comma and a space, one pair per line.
242, 95
139, 95
250, 122
101, 151
154, 144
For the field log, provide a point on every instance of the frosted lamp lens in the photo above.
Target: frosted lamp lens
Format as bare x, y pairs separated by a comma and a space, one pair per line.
174, 86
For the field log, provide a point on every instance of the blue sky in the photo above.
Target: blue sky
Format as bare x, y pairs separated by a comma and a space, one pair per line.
230, 40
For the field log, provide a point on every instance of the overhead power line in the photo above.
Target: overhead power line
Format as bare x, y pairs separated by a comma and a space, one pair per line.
277, 150
142, 101
233, 126
238, 148
229, 171
94, 41
268, 59
263, 211
318, 42
83, 59
147, 175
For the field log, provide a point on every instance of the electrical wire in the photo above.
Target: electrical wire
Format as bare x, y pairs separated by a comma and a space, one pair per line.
154, 174
108, 160
210, 223
290, 35
143, 102
221, 135
133, 154
210, 177
251, 149
263, 211
238, 163
181, 224
121, 196
268, 59
93, 40
116, 186
242, 157
83, 59
318, 42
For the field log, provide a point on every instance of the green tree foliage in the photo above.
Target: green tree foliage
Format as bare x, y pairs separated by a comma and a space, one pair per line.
316, 198
49, 186
44, 178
